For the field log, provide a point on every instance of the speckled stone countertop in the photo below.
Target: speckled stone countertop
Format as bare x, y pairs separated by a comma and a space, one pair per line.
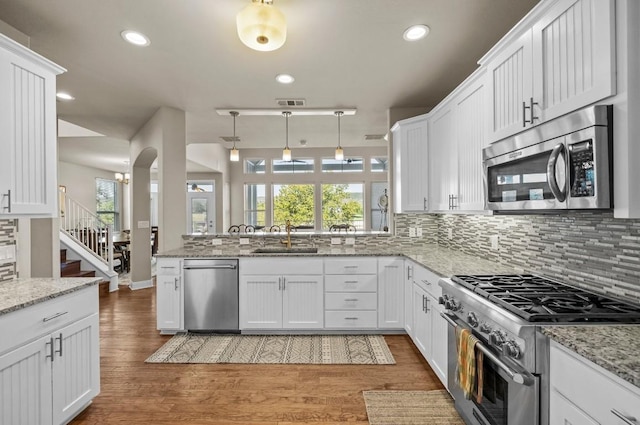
20, 293
442, 261
615, 348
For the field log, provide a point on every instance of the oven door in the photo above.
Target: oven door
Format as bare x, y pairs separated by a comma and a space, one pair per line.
510, 395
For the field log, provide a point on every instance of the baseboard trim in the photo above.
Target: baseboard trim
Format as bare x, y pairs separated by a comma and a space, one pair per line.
141, 285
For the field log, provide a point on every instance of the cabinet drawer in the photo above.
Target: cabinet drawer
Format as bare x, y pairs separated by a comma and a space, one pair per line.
350, 301
591, 388
427, 280
39, 319
351, 319
362, 283
281, 266
169, 266
351, 265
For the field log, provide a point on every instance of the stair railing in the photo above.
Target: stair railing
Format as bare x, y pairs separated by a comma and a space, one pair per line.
87, 229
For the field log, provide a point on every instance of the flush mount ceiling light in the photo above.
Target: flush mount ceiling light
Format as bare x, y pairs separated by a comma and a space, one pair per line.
261, 26
122, 177
285, 78
415, 32
286, 152
234, 154
135, 38
339, 151
64, 96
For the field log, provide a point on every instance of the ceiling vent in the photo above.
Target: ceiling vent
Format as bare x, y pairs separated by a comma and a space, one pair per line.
291, 102
373, 136
230, 139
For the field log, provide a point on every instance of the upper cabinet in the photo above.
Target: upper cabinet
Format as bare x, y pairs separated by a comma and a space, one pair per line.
551, 65
28, 153
410, 165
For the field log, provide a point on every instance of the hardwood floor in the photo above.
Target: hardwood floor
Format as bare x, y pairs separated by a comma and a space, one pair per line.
135, 392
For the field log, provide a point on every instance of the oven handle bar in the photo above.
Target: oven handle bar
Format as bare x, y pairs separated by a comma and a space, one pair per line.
516, 377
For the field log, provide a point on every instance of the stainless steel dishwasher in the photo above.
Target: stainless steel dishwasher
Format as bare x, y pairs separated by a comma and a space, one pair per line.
211, 295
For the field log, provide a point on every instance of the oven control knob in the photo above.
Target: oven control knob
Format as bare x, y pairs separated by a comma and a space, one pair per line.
452, 305
484, 328
510, 348
443, 299
472, 319
497, 338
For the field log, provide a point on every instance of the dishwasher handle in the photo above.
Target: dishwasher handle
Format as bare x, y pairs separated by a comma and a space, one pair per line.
212, 267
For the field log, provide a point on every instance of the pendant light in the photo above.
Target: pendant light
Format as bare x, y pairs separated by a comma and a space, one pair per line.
261, 26
286, 152
234, 154
339, 151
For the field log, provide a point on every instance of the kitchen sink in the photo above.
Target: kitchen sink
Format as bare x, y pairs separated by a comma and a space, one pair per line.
285, 250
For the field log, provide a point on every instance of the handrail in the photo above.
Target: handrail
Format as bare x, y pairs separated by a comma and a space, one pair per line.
87, 229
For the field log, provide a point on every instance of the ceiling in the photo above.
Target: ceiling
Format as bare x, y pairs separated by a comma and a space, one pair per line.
342, 53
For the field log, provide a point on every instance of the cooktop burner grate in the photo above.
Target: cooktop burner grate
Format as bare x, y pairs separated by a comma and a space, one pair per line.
538, 299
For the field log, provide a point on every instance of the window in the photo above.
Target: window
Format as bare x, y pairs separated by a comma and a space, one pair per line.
379, 206
294, 202
294, 166
107, 206
254, 204
342, 204
379, 165
254, 166
347, 165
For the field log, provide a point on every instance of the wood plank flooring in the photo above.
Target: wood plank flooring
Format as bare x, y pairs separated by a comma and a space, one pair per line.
134, 392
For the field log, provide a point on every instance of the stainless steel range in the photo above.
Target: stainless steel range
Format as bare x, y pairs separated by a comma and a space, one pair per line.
504, 313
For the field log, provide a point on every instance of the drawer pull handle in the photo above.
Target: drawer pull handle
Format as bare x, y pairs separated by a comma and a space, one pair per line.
50, 343
350, 318
626, 419
426, 282
351, 282
350, 267
55, 316
168, 267
60, 339
351, 299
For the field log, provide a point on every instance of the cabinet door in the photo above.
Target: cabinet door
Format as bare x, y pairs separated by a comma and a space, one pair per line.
28, 148
574, 56
411, 166
25, 384
470, 118
169, 302
302, 299
408, 298
510, 86
563, 412
444, 160
439, 344
76, 367
261, 302
421, 325
391, 293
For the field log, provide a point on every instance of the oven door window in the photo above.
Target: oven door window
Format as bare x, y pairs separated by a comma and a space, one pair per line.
521, 180
495, 393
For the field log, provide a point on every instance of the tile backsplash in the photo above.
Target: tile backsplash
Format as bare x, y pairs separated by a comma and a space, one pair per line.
7, 237
590, 249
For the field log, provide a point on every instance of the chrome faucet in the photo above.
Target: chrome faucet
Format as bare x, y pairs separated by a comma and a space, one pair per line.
288, 240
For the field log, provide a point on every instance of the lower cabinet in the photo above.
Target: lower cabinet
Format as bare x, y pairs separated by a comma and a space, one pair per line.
291, 299
50, 379
391, 293
169, 295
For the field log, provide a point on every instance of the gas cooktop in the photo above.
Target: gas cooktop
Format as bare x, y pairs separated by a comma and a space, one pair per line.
539, 299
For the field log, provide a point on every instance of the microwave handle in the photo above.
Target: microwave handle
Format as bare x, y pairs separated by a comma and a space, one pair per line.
559, 194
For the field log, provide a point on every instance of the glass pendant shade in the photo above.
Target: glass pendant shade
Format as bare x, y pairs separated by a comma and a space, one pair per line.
339, 154
261, 26
234, 155
286, 154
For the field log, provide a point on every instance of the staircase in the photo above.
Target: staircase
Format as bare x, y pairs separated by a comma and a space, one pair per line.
71, 268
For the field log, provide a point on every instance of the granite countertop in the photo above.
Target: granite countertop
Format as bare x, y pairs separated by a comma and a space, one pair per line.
615, 348
20, 293
442, 261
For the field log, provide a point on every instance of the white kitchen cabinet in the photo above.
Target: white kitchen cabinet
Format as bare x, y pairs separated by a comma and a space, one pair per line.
410, 165
28, 147
50, 359
562, 61
408, 298
391, 293
292, 298
443, 157
582, 392
169, 295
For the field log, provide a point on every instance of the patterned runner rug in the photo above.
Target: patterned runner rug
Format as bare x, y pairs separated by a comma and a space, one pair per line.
292, 349
411, 408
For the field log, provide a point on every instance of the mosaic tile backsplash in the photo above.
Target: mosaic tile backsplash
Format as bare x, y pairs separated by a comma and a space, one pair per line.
7, 237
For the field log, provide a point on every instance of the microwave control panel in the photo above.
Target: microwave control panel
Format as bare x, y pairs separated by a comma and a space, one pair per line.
581, 163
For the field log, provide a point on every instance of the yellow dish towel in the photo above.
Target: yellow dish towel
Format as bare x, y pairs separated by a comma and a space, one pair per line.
466, 375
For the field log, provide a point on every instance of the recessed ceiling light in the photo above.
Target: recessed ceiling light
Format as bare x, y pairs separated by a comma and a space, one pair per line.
64, 96
135, 37
285, 78
415, 32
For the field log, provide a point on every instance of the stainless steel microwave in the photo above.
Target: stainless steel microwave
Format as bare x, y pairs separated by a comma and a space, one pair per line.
565, 163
